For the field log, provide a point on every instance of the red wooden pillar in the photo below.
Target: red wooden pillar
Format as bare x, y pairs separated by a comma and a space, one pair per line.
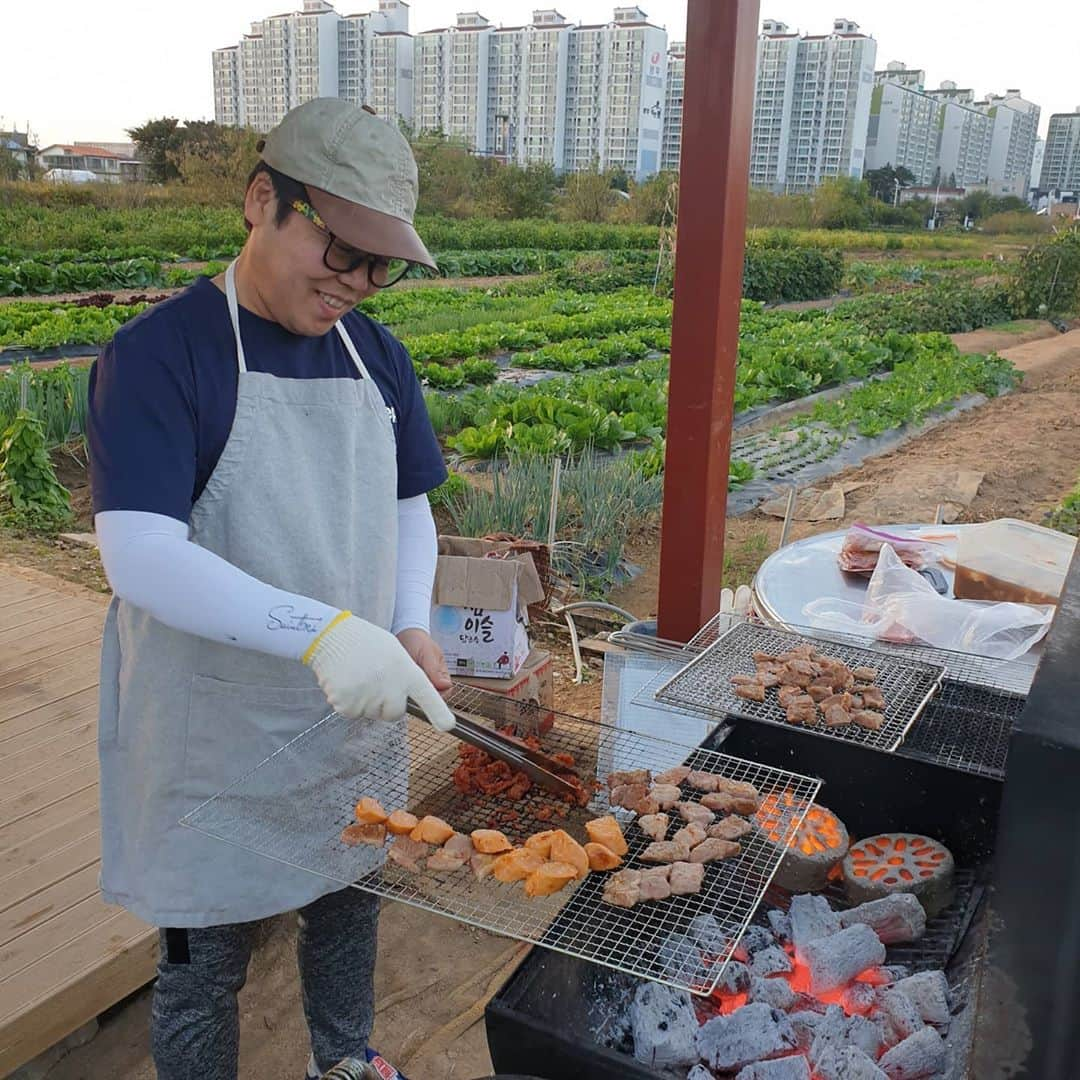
721, 42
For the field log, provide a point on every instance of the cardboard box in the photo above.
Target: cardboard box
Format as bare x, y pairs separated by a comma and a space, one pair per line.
526, 701
479, 606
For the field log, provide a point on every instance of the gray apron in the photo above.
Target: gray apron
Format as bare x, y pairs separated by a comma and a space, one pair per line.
304, 497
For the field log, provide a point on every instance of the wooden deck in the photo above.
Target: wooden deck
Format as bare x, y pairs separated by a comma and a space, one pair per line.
65, 955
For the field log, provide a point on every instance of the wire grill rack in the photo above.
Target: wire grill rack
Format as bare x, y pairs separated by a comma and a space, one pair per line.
703, 684
293, 806
965, 726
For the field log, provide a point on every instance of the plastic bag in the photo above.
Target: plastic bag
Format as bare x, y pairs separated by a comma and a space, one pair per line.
859, 554
902, 606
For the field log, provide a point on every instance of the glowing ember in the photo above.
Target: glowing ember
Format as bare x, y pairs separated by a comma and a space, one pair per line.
819, 832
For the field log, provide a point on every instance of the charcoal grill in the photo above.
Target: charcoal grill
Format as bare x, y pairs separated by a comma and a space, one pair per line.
320, 770
704, 686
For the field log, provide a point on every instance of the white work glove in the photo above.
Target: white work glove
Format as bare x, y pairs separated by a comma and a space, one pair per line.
365, 671
734, 607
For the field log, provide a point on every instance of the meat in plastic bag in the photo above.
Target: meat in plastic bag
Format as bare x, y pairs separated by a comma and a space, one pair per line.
902, 606
859, 554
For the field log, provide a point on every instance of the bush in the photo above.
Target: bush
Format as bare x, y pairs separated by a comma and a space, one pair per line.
1047, 280
1014, 221
947, 307
794, 274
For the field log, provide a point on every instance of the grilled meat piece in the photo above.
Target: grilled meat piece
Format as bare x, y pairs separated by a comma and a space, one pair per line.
691, 835
407, 853
714, 849
482, 865
788, 694
372, 832
702, 781
675, 775
835, 716
629, 795
654, 883
655, 826
648, 805
769, 679
867, 718
695, 812
760, 657
665, 794
753, 691
631, 776
865, 674
873, 698
731, 827
446, 860
665, 851
605, 830
623, 888
726, 802
686, 878
818, 694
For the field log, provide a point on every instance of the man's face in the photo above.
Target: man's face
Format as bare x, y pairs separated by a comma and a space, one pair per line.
289, 276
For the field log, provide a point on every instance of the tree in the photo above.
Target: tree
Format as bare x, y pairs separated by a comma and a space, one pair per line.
648, 200
841, 202
10, 166
215, 162
883, 181
587, 196
513, 191
155, 139
449, 174
952, 179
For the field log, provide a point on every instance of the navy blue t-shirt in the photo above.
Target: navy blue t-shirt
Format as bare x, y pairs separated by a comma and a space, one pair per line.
163, 395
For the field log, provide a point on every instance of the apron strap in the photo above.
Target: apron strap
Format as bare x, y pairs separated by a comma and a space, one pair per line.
352, 350
234, 314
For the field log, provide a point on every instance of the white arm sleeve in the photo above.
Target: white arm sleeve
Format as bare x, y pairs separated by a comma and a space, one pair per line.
151, 563
418, 551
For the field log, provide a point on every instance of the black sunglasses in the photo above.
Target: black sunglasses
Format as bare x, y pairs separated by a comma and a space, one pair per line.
342, 258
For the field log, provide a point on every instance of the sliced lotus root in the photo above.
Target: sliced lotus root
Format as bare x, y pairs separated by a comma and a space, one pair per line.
900, 863
816, 848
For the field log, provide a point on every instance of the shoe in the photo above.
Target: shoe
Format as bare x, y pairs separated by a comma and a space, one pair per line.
379, 1065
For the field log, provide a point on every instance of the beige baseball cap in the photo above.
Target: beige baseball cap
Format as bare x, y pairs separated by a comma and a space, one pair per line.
359, 171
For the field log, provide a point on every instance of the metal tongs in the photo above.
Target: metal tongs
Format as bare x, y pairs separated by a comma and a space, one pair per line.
538, 767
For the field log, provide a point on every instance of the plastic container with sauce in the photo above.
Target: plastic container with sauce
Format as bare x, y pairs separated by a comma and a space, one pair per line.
1010, 560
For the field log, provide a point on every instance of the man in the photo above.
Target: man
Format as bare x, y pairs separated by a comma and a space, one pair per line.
261, 456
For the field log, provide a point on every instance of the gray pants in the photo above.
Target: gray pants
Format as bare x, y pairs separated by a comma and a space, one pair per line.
195, 1026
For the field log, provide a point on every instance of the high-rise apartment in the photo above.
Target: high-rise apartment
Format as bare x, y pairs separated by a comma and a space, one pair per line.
965, 136
291, 58
671, 145
1061, 158
527, 90
1012, 145
903, 125
811, 105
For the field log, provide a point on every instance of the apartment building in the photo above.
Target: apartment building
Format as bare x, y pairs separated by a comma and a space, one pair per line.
1061, 157
1012, 144
671, 142
616, 94
527, 78
291, 58
811, 105
903, 125
965, 135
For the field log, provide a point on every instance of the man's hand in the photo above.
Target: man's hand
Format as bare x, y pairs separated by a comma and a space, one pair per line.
427, 655
366, 671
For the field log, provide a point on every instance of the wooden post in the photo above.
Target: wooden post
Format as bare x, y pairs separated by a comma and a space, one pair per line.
721, 46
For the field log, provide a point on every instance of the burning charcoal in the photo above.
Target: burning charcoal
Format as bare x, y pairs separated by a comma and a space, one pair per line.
708, 934
771, 961
780, 925
756, 939
900, 863
929, 992
679, 958
809, 1003
752, 1033
893, 973
695, 813
805, 1023
785, 1068
901, 1012
866, 1035
895, 919
919, 1055
830, 1035
859, 998
811, 919
664, 1024
699, 1072
847, 1064
835, 960
735, 978
776, 993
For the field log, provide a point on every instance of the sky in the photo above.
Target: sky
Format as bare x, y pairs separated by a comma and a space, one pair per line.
88, 69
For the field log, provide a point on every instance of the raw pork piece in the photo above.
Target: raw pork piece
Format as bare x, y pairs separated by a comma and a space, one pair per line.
686, 878
623, 888
702, 781
713, 850
629, 776
730, 828
460, 846
481, 864
665, 851
695, 812
665, 794
407, 853
373, 833
629, 795
654, 826
674, 775
445, 860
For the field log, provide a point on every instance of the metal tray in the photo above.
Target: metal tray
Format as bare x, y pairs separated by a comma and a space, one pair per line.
703, 684
308, 788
